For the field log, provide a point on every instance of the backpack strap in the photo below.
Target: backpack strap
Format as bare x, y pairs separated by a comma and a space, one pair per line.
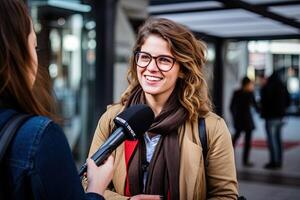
8, 131
203, 137
203, 140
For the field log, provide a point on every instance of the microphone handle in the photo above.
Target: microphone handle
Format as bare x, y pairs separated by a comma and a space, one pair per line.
99, 158
106, 149
82, 169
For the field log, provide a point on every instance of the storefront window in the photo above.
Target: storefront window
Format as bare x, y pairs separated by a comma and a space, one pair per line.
67, 43
282, 57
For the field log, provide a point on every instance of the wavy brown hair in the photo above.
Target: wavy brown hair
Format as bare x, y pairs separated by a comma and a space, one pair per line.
16, 90
189, 52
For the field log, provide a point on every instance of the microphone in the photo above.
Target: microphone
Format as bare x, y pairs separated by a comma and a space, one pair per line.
131, 124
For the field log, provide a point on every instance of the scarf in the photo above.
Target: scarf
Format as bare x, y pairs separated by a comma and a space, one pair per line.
163, 169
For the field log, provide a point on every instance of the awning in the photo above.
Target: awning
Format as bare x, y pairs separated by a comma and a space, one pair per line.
247, 19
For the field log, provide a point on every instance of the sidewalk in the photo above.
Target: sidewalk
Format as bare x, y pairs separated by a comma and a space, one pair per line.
258, 183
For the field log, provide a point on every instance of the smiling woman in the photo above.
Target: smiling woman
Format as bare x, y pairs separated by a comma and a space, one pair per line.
166, 73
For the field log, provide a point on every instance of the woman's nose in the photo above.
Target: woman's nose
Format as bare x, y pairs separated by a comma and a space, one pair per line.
152, 66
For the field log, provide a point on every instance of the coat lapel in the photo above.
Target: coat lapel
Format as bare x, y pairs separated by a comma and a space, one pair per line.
119, 178
191, 156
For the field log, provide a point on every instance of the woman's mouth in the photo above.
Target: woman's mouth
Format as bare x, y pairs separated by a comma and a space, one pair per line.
152, 78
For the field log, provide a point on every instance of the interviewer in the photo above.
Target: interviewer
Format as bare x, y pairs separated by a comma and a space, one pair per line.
38, 163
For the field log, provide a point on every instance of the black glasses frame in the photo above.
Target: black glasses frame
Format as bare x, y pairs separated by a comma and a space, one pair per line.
155, 58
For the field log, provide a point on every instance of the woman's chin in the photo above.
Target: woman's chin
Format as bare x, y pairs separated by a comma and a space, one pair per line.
151, 91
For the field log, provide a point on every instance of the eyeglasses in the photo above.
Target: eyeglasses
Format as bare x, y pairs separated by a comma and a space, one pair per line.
163, 62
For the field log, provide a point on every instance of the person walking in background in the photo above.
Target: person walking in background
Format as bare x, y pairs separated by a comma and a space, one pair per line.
38, 163
240, 107
166, 73
275, 100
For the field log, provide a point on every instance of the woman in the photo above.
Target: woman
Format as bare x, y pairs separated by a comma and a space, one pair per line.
38, 163
240, 106
166, 73
273, 112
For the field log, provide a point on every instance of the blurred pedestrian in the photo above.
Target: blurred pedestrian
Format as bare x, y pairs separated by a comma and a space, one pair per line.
241, 103
38, 163
275, 100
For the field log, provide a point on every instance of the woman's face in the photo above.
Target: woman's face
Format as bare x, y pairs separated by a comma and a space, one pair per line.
32, 44
249, 87
153, 81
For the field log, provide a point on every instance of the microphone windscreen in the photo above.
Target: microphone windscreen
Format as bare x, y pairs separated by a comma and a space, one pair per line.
139, 118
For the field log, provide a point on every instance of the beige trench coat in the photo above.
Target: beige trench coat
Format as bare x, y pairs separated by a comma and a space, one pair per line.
221, 172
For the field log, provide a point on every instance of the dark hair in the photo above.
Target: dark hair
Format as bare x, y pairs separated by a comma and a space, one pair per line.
245, 81
16, 90
189, 52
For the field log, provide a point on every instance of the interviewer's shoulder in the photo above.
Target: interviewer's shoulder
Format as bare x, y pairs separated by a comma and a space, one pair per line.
43, 125
36, 128
37, 124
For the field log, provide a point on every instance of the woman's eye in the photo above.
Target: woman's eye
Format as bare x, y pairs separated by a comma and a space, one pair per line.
145, 57
165, 60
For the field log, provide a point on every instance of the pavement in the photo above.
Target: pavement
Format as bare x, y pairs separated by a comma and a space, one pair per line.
258, 183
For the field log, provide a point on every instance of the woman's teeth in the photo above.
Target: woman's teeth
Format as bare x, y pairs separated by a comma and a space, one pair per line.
153, 78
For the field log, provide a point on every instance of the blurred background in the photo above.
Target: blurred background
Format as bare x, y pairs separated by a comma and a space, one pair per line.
86, 45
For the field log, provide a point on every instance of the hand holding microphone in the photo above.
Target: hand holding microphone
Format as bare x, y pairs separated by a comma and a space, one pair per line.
131, 123
98, 178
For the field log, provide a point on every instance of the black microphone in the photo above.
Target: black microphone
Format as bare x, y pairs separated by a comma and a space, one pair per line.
131, 124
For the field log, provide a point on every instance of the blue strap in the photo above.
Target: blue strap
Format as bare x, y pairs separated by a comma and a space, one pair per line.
203, 137
203, 140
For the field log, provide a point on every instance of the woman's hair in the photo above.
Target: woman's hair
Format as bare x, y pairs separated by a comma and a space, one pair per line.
189, 52
16, 64
245, 81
